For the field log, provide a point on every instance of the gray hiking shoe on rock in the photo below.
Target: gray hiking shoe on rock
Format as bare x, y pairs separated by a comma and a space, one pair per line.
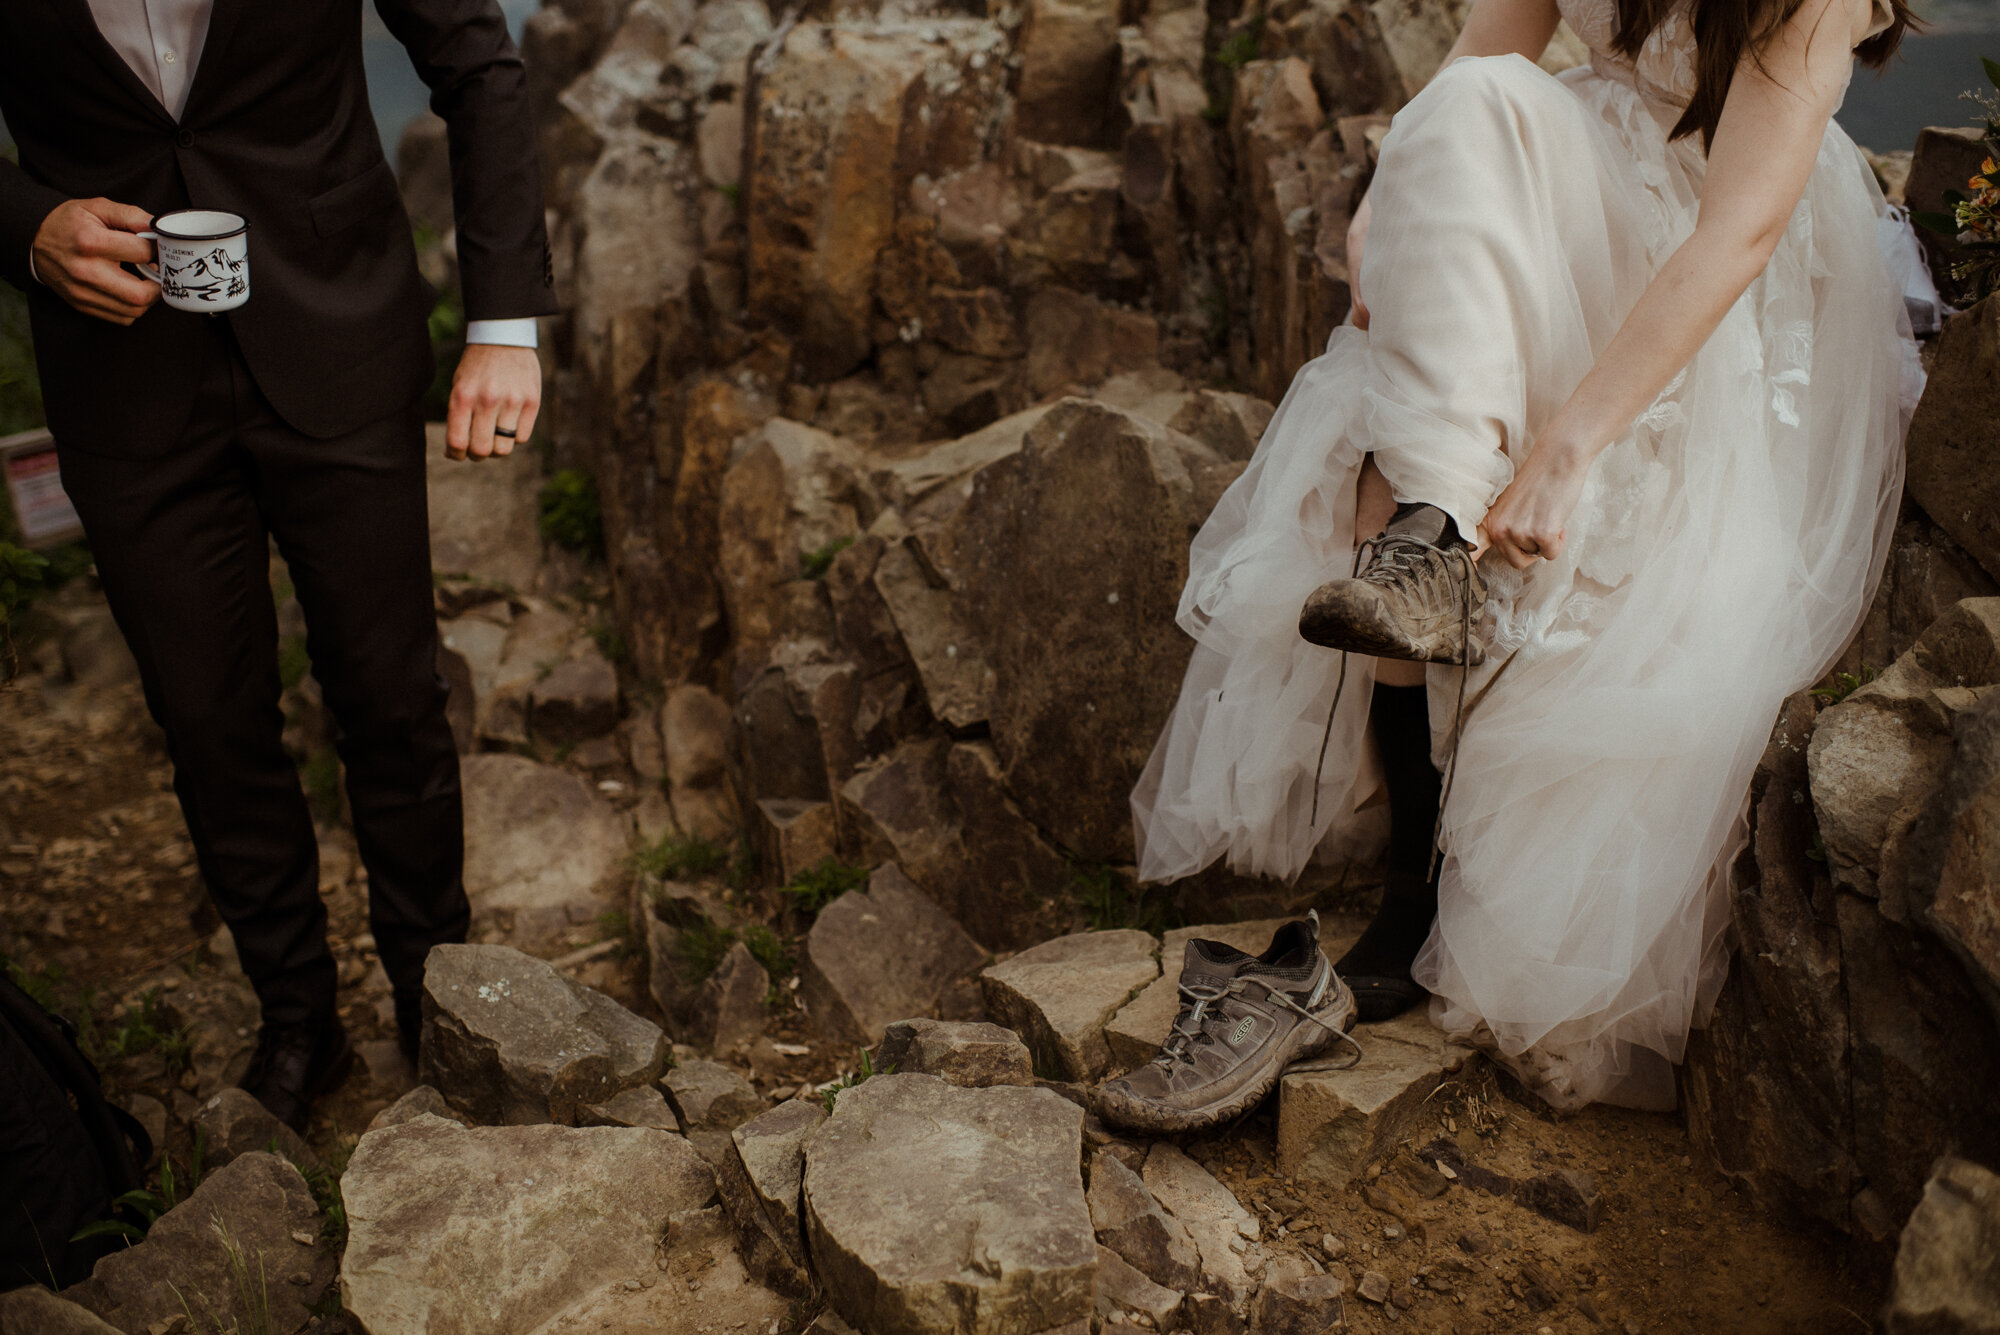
1417, 597
1243, 1020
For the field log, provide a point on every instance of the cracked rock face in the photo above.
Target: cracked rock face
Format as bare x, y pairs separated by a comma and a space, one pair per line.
1223, 1231
934, 1209
761, 1180
508, 1040
1060, 995
507, 1230
1131, 1223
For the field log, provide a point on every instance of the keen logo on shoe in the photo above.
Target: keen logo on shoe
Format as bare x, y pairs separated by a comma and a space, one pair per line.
1243, 1020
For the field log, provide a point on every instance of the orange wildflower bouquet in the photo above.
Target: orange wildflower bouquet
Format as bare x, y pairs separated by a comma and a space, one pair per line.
1974, 219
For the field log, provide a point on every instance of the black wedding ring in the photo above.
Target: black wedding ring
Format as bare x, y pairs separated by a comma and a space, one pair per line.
503, 431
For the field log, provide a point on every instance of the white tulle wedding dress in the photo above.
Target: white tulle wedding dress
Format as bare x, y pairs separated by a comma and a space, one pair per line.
1723, 552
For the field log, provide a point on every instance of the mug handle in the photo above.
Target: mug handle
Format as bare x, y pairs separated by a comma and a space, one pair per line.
147, 270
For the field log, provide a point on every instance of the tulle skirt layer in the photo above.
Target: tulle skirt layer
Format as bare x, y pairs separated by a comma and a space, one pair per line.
1723, 552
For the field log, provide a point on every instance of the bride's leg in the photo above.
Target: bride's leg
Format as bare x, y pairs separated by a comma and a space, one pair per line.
1377, 966
1489, 215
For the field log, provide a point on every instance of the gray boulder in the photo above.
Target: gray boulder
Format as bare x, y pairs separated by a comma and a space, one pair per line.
708, 1096
35, 1311
577, 701
422, 1101
1947, 1276
729, 1005
514, 1229
1131, 1223
876, 955
972, 1055
509, 1040
253, 1218
518, 814
761, 1180
931, 1208
232, 1124
644, 1106
1060, 995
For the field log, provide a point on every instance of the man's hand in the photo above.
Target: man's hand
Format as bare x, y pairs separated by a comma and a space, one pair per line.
77, 253
496, 386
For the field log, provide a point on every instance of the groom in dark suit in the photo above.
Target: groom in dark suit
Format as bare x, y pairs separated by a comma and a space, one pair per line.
188, 442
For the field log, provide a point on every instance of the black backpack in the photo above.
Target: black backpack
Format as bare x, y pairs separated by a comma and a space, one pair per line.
65, 1153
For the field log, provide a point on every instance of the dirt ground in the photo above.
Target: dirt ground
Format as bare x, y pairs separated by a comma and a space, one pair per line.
100, 898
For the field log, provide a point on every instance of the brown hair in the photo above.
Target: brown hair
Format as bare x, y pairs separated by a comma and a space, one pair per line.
1723, 31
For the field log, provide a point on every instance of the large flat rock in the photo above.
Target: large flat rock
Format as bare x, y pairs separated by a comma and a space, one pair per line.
879, 955
1224, 1232
1135, 1033
1333, 1124
934, 1209
540, 845
507, 1039
254, 1216
1060, 995
483, 516
507, 1230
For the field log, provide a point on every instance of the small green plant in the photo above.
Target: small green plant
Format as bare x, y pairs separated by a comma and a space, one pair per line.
702, 945
815, 564
1238, 49
768, 949
678, 856
40, 984
320, 776
733, 192
822, 883
1108, 902
867, 1070
148, 1204
571, 515
147, 1029
609, 641
1817, 849
323, 1178
21, 572
1843, 685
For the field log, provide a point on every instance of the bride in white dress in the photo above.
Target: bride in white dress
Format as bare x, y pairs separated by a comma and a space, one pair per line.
1666, 378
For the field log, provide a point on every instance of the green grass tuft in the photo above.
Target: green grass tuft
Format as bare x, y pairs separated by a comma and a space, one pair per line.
679, 856
822, 883
815, 564
571, 515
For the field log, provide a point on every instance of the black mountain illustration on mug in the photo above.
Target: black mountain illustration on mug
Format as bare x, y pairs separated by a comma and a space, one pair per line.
207, 277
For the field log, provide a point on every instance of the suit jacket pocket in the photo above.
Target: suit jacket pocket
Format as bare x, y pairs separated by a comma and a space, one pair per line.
350, 202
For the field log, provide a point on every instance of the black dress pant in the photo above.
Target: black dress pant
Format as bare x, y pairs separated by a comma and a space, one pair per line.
182, 545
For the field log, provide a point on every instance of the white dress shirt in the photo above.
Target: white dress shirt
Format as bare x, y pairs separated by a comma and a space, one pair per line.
161, 40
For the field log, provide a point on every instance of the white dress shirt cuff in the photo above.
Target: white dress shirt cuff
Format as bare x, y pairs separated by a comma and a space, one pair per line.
517, 333
31, 265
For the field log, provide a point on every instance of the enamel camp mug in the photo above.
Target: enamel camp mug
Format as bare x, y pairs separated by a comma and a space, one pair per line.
204, 261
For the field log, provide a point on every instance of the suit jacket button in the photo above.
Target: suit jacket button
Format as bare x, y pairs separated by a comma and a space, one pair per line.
185, 138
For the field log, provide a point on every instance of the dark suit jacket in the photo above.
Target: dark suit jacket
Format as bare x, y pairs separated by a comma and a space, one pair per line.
277, 129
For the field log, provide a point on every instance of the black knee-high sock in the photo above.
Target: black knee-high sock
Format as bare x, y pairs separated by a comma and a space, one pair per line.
1401, 715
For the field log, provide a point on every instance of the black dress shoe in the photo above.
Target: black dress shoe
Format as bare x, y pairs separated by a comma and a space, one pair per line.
294, 1065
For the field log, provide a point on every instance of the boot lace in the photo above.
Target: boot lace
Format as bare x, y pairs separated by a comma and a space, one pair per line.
1196, 998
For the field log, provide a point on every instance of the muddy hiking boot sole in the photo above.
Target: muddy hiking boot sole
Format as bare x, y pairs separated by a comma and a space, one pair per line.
1244, 1021
1415, 595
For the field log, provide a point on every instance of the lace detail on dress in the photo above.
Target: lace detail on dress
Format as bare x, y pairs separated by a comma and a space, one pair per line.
1664, 72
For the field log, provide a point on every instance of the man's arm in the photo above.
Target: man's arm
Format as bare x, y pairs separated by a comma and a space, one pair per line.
24, 204
462, 51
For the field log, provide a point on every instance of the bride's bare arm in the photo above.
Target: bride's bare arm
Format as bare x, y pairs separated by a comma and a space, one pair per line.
1494, 28
1766, 142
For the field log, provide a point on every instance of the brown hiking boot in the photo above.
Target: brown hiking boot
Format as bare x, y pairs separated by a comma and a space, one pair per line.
1418, 597
1243, 1020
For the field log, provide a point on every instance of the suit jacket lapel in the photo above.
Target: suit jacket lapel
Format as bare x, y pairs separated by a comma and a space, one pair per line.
84, 25
221, 21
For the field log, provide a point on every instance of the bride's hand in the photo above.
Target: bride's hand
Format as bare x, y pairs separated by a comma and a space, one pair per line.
1526, 524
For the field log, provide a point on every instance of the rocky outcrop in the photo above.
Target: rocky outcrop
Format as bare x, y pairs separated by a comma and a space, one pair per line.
242, 1249
508, 1040
878, 955
516, 811
1130, 1221
1952, 449
1857, 1036
932, 1208
32, 1310
1947, 1275
1060, 995
509, 1230
232, 1124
